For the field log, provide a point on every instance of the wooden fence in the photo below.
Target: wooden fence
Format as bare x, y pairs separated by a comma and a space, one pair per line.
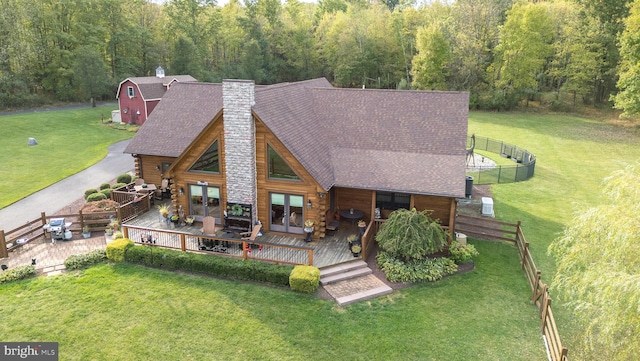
33, 230
489, 229
229, 247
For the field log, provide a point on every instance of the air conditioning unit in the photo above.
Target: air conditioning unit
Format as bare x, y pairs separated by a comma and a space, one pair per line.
487, 207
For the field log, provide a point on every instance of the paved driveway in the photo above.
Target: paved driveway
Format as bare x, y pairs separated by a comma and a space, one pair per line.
58, 195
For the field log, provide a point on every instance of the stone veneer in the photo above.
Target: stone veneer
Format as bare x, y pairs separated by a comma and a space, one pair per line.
240, 143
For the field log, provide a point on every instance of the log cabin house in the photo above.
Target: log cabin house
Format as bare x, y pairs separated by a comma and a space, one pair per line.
289, 152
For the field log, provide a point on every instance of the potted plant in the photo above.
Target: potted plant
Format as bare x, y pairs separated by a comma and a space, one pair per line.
308, 228
189, 221
352, 239
163, 209
108, 231
86, 233
362, 226
175, 218
355, 250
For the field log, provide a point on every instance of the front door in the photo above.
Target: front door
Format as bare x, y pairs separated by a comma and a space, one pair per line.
204, 201
286, 213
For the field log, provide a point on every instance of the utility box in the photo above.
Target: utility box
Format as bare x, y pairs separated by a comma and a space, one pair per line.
461, 238
487, 206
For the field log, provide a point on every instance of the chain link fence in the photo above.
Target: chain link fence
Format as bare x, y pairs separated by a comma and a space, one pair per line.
522, 169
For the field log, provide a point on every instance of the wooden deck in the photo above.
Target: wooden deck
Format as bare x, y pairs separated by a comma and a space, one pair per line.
332, 249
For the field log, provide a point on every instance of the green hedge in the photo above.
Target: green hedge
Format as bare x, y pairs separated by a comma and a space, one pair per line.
18, 273
118, 185
105, 186
94, 197
106, 192
74, 262
429, 269
89, 192
124, 178
116, 249
304, 279
233, 268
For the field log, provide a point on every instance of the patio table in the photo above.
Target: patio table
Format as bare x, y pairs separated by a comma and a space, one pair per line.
357, 214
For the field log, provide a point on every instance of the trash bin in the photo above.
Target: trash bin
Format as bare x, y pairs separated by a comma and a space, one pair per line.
468, 190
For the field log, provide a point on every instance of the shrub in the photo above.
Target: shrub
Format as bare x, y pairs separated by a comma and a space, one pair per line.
18, 273
411, 234
74, 262
106, 192
117, 249
104, 186
124, 178
118, 185
89, 192
239, 269
96, 197
461, 254
118, 235
429, 269
304, 279
99, 206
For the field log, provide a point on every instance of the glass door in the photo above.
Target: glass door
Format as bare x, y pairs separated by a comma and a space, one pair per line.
204, 201
286, 213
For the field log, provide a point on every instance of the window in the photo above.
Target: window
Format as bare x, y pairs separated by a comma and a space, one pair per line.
393, 201
209, 161
131, 91
278, 168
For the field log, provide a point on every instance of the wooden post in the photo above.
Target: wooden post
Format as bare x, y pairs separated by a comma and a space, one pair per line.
183, 243
125, 231
3, 245
535, 286
244, 250
310, 257
81, 220
43, 218
119, 214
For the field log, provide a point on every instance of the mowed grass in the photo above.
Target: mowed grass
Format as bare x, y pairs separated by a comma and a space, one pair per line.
68, 142
574, 155
113, 312
129, 312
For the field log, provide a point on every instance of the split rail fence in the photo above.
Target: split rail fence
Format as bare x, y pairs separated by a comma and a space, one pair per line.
489, 229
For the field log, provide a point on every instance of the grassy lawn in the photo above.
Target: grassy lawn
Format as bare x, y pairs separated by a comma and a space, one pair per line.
121, 311
68, 142
113, 312
574, 155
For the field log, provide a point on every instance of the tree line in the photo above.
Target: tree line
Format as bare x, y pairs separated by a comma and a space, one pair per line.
504, 52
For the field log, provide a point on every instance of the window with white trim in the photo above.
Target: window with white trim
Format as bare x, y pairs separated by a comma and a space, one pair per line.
131, 92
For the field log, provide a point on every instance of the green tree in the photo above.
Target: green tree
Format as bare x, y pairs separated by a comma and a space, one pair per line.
525, 44
90, 73
430, 64
410, 234
185, 60
628, 99
598, 274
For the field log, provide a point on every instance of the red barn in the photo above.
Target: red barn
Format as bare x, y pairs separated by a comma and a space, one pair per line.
137, 97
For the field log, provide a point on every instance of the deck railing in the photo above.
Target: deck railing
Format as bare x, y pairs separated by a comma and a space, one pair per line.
512, 232
229, 247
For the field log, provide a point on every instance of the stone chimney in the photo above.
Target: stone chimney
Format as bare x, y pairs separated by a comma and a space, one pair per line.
240, 143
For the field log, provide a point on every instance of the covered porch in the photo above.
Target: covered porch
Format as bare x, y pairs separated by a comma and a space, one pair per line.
153, 230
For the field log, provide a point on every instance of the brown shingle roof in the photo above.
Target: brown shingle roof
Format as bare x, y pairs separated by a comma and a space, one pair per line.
185, 110
152, 88
405, 141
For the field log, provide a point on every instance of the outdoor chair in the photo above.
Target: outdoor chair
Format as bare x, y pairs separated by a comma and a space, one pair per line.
251, 236
331, 224
164, 188
208, 225
139, 182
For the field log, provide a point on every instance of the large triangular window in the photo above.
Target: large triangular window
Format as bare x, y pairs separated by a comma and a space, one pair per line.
209, 161
278, 168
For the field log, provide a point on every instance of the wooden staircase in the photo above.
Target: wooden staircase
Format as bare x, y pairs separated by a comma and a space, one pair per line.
352, 282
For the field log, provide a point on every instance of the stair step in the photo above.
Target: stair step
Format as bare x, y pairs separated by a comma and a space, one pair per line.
341, 276
340, 268
364, 295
